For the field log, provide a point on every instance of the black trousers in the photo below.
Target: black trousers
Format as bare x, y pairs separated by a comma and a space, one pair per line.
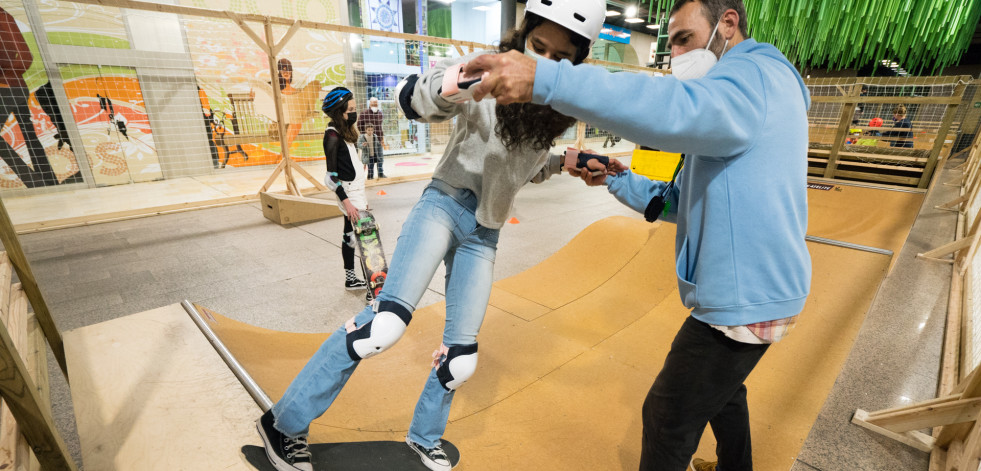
347, 244
701, 382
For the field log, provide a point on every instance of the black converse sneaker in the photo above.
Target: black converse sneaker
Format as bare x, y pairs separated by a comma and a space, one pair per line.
434, 458
285, 453
355, 284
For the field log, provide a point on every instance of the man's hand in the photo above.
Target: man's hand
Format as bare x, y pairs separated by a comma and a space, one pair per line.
592, 165
511, 77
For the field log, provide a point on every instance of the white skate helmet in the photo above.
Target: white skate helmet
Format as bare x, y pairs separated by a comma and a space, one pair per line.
583, 17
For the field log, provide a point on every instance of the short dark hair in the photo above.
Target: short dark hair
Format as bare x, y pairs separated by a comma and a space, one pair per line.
713, 10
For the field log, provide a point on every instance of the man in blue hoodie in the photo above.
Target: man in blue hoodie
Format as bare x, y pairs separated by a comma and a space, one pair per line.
738, 110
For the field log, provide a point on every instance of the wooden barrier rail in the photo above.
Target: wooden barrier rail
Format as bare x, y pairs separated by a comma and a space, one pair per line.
955, 444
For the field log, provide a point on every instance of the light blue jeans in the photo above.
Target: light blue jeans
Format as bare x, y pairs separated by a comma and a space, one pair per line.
440, 227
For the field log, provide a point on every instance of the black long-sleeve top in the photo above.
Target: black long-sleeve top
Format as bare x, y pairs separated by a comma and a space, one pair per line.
339, 161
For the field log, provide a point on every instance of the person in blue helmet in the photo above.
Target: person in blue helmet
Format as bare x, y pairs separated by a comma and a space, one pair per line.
345, 172
494, 150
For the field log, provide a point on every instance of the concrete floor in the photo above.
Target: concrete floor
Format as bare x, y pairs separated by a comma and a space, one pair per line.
236, 262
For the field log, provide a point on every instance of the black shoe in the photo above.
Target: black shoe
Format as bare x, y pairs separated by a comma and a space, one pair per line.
434, 458
285, 453
382, 175
352, 285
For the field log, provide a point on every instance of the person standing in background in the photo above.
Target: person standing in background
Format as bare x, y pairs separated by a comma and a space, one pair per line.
373, 116
366, 145
900, 121
345, 173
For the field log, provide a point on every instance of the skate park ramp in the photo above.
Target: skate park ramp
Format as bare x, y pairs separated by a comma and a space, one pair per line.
568, 349
877, 217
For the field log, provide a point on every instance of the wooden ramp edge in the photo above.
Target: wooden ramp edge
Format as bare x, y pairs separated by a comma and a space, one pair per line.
150, 393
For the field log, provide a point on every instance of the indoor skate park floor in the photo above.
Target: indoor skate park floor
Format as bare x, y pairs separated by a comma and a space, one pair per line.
580, 319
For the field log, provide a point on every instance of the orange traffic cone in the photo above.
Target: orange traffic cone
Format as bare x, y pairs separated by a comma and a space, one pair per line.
381, 193
514, 221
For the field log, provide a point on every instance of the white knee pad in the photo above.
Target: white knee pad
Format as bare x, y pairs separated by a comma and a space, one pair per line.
458, 367
380, 333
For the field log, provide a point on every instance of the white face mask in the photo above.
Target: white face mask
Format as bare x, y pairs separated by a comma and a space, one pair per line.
532, 54
374, 108
697, 62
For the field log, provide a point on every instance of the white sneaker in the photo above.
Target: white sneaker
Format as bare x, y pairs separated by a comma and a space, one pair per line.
434, 458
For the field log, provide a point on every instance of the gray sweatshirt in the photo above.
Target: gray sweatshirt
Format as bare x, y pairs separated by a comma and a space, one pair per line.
475, 157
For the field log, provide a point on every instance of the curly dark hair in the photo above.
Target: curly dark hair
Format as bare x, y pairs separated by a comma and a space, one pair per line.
336, 115
538, 125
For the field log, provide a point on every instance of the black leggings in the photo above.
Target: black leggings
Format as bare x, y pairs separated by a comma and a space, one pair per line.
347, 249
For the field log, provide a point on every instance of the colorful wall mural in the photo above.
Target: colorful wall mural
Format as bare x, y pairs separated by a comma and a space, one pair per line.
107, 104
235, 87
34, 146
232, 74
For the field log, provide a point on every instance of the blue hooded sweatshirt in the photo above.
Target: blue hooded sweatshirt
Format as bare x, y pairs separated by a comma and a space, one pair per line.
740, 202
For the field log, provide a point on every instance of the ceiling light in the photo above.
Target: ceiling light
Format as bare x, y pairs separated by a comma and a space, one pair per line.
631, 11
894, 65
633, 20
612, 13
653, 26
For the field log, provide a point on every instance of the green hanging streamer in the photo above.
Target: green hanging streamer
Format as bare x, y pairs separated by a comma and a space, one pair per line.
925, 35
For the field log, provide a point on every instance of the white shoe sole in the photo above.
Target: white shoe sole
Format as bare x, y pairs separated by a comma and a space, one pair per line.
425, 459
356, 288
276, 461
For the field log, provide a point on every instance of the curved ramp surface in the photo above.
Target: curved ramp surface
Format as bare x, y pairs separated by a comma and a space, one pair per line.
569, 349
873, 217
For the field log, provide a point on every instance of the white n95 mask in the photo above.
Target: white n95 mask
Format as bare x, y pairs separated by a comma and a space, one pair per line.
697, 62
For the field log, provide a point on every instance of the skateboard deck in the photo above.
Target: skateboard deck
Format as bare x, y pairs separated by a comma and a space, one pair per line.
356, 456
370, 250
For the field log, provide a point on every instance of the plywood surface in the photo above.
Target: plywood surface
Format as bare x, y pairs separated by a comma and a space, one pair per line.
873, 217
563, 389
150, 393
556, 387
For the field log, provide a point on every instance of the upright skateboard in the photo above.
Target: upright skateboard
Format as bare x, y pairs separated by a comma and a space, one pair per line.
372, 256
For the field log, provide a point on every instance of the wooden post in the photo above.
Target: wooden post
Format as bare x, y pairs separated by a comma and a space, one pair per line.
21, 395
938, 144
847, 113
580, 135
14, 452
278, 99
16, 254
